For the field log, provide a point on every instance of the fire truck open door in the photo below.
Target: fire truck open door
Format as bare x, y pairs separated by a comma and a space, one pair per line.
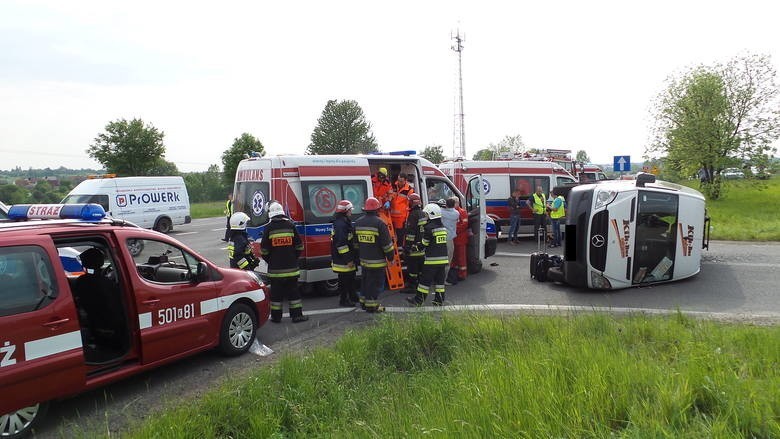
474, 201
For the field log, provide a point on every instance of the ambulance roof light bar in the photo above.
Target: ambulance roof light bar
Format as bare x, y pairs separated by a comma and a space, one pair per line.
404, 153
83, 212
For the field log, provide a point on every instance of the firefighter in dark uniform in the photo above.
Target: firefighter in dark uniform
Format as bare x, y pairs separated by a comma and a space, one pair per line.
414, 252
280, 248
343, 252
435, 242
239, 250
375, 248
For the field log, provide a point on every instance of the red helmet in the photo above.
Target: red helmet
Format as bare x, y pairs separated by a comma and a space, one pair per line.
344, 206
415, 200
371, 204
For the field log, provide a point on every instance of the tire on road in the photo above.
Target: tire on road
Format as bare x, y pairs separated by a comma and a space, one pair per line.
239, 328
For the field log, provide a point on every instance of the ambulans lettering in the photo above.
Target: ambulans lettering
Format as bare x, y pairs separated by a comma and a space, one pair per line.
170, 315
249, 175
7, 352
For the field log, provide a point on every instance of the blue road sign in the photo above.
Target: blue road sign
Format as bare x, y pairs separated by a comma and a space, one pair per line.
622, 163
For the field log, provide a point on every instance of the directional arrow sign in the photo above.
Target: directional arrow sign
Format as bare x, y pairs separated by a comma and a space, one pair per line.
622, 163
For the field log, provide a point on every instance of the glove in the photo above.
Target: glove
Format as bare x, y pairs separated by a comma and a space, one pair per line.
387, 205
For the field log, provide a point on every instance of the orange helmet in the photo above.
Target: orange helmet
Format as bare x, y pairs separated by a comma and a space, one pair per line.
372, 204
415, 200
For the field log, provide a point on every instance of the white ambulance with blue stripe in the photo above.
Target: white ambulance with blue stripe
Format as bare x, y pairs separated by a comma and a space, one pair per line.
310, 186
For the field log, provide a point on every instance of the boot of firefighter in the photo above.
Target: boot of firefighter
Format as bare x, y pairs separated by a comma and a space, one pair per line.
344, 299
276, 312
296, 311
438, 299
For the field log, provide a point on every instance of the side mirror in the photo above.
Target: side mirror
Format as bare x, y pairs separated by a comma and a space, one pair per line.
201, 272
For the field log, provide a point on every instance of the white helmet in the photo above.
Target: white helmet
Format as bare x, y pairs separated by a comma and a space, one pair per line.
275, 209
238, 221
433, 210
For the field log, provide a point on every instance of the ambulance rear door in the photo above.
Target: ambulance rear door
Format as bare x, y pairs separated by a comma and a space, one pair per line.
252, 191
475, 202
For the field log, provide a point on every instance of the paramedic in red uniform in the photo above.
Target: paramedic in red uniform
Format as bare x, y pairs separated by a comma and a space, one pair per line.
280, 248
399, 207
343, 252
375, 248
382, 187
461, 241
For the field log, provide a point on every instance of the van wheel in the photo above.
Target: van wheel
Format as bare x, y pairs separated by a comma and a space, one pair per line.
328, 287
135, 246
163, 225
20, 423
238, 330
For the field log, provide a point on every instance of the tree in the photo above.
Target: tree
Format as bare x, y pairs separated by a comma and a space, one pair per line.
129, 148
434, 153
582, 157
242, 146
342, 129
13, 194
484, 154
714, 117
206, 186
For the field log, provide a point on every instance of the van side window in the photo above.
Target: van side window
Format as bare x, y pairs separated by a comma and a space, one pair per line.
438, 189
161, 262
27, 279
527, 184
561, 181
79, 199
252, 197
320, 198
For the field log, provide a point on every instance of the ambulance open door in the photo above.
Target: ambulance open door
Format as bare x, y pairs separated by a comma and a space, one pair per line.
475, 202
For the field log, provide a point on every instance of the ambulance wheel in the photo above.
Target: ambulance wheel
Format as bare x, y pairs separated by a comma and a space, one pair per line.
163, 225
20, 423
328, 287
238, 330
136, 246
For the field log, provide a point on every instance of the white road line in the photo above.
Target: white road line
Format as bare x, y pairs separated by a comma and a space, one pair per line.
217, 230
186, 233
552, 308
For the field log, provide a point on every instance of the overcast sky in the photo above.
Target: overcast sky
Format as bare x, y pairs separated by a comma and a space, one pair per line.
573, 75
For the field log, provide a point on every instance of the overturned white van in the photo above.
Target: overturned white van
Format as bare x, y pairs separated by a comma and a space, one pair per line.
156, 203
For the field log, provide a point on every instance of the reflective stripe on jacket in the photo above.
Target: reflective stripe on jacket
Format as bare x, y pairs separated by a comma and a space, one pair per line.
280, 248
435, 242
342, 244
374, 244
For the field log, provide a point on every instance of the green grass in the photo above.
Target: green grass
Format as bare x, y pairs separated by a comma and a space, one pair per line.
207, 210
584, 376
748, 211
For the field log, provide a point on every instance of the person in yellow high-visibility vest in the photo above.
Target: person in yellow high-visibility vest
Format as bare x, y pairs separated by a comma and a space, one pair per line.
557, 212
228, 214
538, 204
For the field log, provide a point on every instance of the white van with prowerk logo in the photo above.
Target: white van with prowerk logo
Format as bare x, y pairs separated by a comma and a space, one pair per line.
156, 203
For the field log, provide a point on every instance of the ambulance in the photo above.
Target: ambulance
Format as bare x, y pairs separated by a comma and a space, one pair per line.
78, 310
627, 233
310, 186
157, 203
501, 177
590, 173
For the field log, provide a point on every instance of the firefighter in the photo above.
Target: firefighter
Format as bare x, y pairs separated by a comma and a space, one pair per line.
399, 207
280, 248
239, 250
414, 252
375, 248
435, 242
343, 252
382, 187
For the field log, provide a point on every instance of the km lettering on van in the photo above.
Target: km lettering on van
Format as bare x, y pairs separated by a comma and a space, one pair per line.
147, 198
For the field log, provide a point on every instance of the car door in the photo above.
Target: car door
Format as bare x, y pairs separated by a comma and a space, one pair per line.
170, 306
41, 355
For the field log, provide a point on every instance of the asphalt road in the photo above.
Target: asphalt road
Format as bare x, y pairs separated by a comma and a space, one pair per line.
737, 280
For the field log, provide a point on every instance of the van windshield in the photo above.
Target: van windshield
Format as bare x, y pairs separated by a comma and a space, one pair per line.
82, 199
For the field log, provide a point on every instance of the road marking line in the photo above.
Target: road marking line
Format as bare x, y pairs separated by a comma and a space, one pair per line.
185, 233
217, 230
555, 308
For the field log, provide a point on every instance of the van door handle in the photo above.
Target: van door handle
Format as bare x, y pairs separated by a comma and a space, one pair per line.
151, 302
56, 323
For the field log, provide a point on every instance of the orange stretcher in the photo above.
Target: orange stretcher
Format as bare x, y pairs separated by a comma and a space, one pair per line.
394, 270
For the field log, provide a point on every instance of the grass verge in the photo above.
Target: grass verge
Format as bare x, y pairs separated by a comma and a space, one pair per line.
465, 375
749, 210
207, 210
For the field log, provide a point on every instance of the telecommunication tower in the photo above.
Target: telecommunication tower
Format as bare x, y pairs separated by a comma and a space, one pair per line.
459, 133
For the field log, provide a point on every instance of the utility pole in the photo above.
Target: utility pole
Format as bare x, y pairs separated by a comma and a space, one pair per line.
460, 141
